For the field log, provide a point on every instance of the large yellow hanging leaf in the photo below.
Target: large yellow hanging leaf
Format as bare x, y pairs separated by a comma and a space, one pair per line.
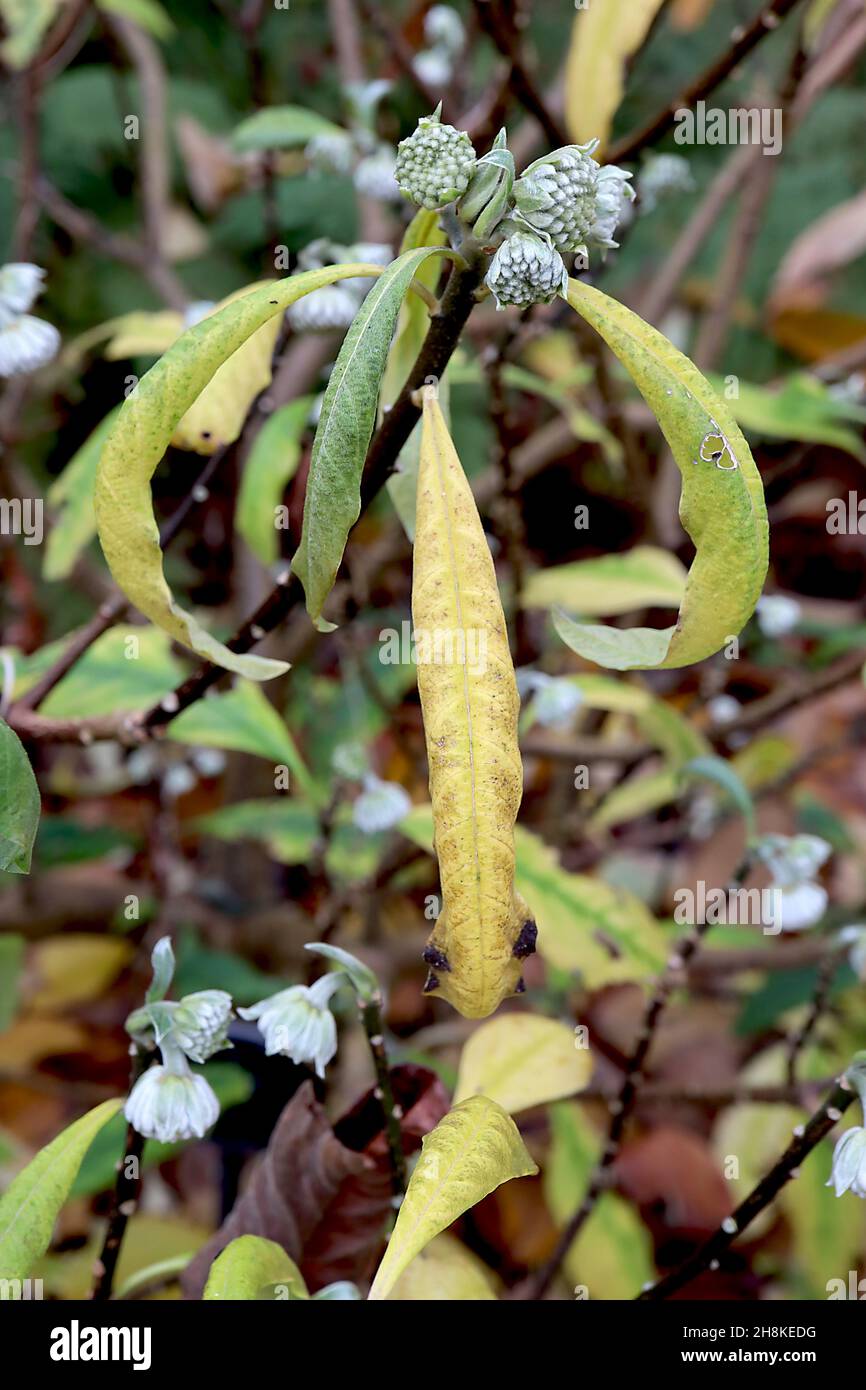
520, 1060
470, 704
140, 436
603, 38
475, 1148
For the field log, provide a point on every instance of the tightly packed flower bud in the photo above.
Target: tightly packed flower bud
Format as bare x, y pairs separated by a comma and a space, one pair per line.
329, 153
435, 163
21, 284
26, 344
200, 1023
526, 270
570, 198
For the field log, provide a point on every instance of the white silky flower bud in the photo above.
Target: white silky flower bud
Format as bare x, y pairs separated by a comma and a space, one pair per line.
611, 205
777, 614
434, 163
329, 153
848, 1173
21, 284
325, 309
443, 28
799, 907
381, 805
526, 270
662, 176
298, 1023
793, 859
26, 343
170, 1103
375, 176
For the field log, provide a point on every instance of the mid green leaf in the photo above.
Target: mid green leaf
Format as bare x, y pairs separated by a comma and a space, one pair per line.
281, 128
141, 434
472, 1151
245, 721
721, 506
247, 1266
333, 500
72, 493
29, 1208
645, 577
20, 804
272, 463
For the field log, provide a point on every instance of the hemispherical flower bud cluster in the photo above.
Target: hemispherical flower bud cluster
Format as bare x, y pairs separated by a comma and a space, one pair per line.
200, 1021
569, 197
435, 163
526, 270
334, 306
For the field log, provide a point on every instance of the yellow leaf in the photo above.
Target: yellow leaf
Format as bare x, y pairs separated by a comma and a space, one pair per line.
470, 705
445, 1272
127, 528
603, 38
520, 1060
473, 1150
28, 1040
217, 417
75, 967
149, 1240
587, 926
143, 334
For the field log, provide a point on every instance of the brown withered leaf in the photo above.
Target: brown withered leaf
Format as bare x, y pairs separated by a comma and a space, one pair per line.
324, 1193
348, 1242
291, 1190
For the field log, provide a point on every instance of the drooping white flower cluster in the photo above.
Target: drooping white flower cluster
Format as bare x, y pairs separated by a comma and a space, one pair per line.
848, 1171
358, 150
26, 342
794, 861
169, 1102
445, 37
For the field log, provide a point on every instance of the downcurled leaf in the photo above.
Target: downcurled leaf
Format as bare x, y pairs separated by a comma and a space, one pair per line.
520, 1060
444, 1272
29, 1207
333, 499
603, 38
584, 925
721, 507
272, 463
140, 436
472, 1151
470, 706
20, 804
247, 1266
645, 577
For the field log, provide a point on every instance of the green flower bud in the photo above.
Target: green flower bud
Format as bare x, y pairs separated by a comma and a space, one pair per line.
526, 270
435, 163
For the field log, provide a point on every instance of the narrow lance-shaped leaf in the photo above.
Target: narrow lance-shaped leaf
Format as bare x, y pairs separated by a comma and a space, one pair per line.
721, 507
124, 514
470, 706
472, 1151
29, 1208
333, 500
20, 804
272, 463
